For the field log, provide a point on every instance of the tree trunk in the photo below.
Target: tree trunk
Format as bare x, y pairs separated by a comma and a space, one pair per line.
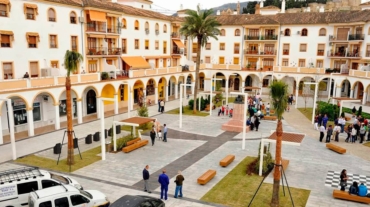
275, 189
197, 65
70, 155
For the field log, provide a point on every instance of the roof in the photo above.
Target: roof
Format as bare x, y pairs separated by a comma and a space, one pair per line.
138, 120
270, 8
365, 4
68, 2
51, 191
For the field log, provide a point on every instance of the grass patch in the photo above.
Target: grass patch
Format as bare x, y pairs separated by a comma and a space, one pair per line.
237, 189
88, 157
231, 100
308, 114
187, 111
367, 144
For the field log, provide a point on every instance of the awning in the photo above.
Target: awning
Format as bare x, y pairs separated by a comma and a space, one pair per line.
35, 34
111, 36
136, 62
7, 3
96, 36
179, 43
97, 16
30, 6
5, 32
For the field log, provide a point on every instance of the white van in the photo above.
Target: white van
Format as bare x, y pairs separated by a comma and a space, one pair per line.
67, 196
15, 185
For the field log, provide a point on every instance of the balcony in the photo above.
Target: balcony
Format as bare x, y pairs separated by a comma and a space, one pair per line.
178, 51
265, 52
261, 37
250, 37
320, 52
175, 35
351, 37
354, 54
96, 27
114, 51
96, 51
116, 30
367, 54
356, 37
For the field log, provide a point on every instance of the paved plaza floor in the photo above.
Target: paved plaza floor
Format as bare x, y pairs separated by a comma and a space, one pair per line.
198, 146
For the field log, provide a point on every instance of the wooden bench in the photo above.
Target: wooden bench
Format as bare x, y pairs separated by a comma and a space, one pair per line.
336, 148
271, 118
285, 164
135, 146
206, 177
131, 142
227, 160
346, 196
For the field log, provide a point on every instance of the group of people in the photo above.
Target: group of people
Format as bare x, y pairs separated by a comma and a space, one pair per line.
161, 105
357, 130
156, 132
164, 181
355, 189
225, 110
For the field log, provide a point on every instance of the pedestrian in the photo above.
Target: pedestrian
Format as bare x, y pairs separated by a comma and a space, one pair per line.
252, 123
329, 133
157, 127
268, 109
368, 132
325, 120
342, 123
162, 106
322, 132
152, 136
256, 122
343, 180
362, 132
336, 132
227, 110
223, 110
179, 180
354, 134
316, 122
146, 179
165, 129
319, 120
159, 105
349, 133
164, 181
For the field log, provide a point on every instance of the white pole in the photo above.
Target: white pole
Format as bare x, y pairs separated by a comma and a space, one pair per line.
210, 99
198, 103
181, 91
11, 126
114, 136
340, 110
261, 158
296, 94
227, 91
102, 129
129, 101
330, 87
244, 119
314, 104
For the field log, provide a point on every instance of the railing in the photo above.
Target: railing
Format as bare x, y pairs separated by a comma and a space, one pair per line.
53, 46
236, 51
285, 52
32, 45
175, 35
74, 48
336, 54
124, 50
51, 19
286, 69
253, 52
349, 54
261, 52
356, 37
359, 73
114, 29
73, 20
165, 50
178, 51
269, 37
5, 44
249, 37
96, 27
114, 51
96, 51
320, 52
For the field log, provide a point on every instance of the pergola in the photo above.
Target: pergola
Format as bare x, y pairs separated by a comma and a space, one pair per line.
134, 122
343, 100
288, 138
252, 88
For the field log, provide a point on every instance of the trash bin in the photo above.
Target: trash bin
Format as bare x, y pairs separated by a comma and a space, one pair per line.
118, 129
107, 147
57, 148
97, 137
75, 143
106, 133
88, 139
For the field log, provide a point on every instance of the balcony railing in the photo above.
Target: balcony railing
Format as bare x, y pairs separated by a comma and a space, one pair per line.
269, 37
96, 27
124, 50
336, 54
74, 48
178, 51
5, 44
116, 30
252, 52
175, 35
73, 20
320, 52
165, 50
349, 54
51, 19
96, 51
114, 51
260, 52
3, 13
285, 52
249, 37
367, 54
356, 37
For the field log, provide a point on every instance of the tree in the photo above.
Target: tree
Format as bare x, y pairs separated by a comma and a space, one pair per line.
278, 96
71, 61
200, 25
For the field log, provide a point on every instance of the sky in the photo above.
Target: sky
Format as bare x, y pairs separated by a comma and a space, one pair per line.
174, 5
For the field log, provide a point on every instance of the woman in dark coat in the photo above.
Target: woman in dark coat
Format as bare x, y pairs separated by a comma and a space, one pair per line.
256, 122
343, 180
152, 136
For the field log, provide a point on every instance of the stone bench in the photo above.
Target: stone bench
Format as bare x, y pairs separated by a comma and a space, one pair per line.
336, 148
131, 142
346, 196
271, 118
206, 177
135, 146
227, 160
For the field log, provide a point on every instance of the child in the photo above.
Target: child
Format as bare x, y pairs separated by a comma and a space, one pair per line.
160, 134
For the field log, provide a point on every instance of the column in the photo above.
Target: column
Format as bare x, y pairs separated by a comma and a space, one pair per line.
79, 111
364, 98
129, 102
334, 89
351, 94
165, 90
57, 117
31, 128
156, 95
227, 91
1, 131
176, 91
329, 90
132, 100
338, 91
98, 105
116, 103
296, 94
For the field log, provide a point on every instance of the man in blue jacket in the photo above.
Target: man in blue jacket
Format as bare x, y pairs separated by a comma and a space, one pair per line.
362, 190
164, 181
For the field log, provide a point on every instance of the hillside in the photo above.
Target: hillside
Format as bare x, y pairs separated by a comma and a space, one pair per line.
232, 6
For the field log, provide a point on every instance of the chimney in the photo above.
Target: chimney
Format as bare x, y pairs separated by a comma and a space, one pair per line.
283, 6
261, 4
257, 9
218, 12
322, 9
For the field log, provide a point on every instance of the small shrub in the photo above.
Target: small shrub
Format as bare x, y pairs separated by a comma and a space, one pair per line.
143, 111
121, 142
104, 75
267, 165
191, 104
359, 112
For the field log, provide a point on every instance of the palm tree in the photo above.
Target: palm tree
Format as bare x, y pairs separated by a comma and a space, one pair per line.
278, 95
71, 61
202, 25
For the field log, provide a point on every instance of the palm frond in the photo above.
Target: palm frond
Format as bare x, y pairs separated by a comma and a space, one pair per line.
279, 97
71, 61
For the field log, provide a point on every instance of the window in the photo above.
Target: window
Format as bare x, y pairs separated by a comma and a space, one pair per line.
136, 44
236, 48
287, 32
32, 39
8, 70
93, 66
301, 63
73, 18
236, 61
124, 23
5, 38
45, 204
54, 63
78, 199
24, 188
285, 62
165, 28
320, 49
30, 10
51, 15
322, 32
34, 69
195, 47
208, 46
124, 46
222, 46
53, 41
48, 183
146, 26
367, 51
157, 45
74, 44
221, 60
109, 61
285, 49
194, 59
319, 63
147, 44
137, 25
4, 9
304, 32
61, 202
338, 63
157, 28
268, 63
303, 48
208, 59
237, 32
223, 33
254, 32
164, 47
265, 83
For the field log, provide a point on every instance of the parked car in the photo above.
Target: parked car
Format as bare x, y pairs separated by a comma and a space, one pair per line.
138, 201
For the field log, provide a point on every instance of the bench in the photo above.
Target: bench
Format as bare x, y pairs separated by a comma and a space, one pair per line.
135, 146
227, 160
336, 148
131, 142
206, 177
346, 196
271, 118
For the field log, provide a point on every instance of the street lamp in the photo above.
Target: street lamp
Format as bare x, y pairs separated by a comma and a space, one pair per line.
244, 115
11, 125
102, 123
210, 96
314, 99
182, 86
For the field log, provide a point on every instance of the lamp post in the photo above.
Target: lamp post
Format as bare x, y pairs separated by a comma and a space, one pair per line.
244, 115
182, 86
314, 99
11, 125
102, 123
331, 75
210, 96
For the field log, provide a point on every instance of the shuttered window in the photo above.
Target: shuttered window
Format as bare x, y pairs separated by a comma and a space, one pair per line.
285, 62
156, 45
301, 63
320, 49
5, 40
302, 47
34, 69
8, 70
147, 44
53, 41
51, 14
74, 43
236, 61
342, 33
221, 60
319, 63
32, 42
208, 59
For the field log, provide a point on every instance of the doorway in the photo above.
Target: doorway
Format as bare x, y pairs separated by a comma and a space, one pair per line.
236, 84
91, 102
354, 66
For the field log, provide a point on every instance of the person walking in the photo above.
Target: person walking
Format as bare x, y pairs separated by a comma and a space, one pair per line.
162, 106
336, 133
349, 133
319, 120
354, 134
322, 132
152, 136
146, 179
164, 181
159, 105
325, 120
256, 122
329, 133
179, 180
342, 123
268, 109
316, 126
362, 132
343, 180
165, 129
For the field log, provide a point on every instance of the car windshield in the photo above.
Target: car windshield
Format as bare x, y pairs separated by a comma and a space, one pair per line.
59, 178
87, 194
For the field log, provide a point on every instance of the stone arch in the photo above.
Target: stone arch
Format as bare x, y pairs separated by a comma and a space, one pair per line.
55, 101
192, 78
360, 89
353, 85
91, 87
18, 96
150, 87
303, 77
73, 91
